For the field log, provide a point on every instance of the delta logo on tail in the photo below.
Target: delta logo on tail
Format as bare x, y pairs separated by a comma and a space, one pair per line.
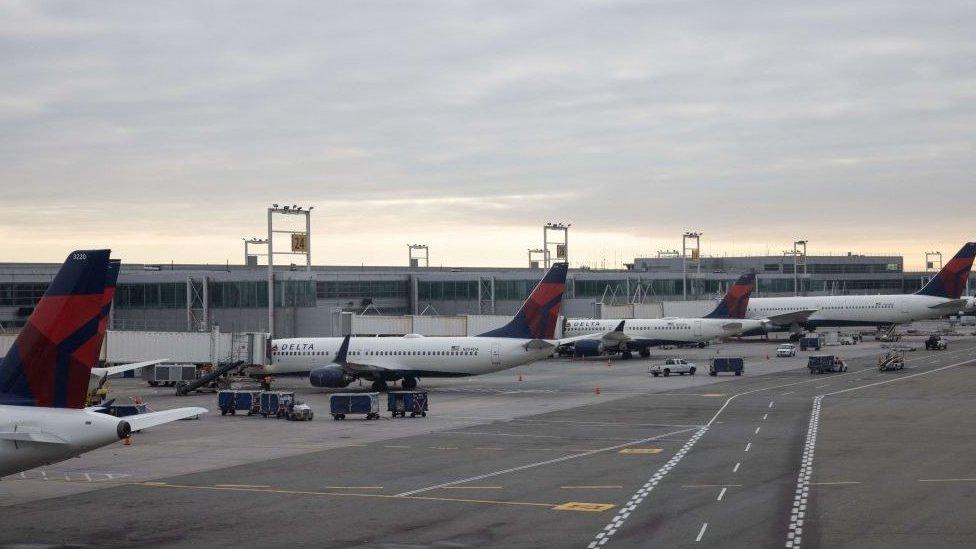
50, 362
537, 317
736, 300
951, 280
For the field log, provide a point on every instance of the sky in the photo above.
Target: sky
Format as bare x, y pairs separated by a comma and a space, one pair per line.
164, 130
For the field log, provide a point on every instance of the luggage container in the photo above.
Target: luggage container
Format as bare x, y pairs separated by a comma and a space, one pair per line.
230, 402
368, 404
169, 375
275, 403
400, 403
819, 364
732, 364
811, 343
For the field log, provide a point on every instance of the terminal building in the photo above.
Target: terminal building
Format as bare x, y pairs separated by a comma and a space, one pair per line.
234, 298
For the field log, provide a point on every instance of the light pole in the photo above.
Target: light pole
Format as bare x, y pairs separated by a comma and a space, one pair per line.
695, 257
562, 248
534, 262
796, 263
413, 260
301, 242
248, 242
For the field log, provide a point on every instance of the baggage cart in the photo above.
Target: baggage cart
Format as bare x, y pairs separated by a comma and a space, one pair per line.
275, 403
820, 364
231, 402
341, 404
732, 364
400, 403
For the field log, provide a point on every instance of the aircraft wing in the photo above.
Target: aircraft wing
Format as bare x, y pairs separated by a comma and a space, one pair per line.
139, 422
793, 317
358, 368
614, 337
111, 370
31, 435
951, 305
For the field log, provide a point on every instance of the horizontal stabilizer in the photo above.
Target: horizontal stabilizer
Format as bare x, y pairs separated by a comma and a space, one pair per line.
112, 370
951, 305
793, 317
139, 422
27, 434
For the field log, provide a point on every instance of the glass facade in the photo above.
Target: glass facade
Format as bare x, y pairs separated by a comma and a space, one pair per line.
513, 290
21, 294
222, 295
448, 289
162, 295
336, 289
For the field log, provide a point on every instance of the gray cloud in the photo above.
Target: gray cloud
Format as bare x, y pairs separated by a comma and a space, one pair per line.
753, 120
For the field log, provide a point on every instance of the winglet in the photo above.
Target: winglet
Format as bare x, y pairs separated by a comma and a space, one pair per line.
343, 351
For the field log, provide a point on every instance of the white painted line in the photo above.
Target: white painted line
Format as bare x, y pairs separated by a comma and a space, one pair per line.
721, 494
541, 463
736, 468
765, 416
701, 532
757, 431
836, 483
947, 480
821, 386
771, 403
748, 446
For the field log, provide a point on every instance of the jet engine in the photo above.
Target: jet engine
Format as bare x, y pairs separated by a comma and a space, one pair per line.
332, 376
588, 347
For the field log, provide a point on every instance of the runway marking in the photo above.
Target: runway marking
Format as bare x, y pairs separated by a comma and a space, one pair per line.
641, 451
701, 532
749, 445
351, 487
835, 483
721, 494
442, 448
711, 485
349, 494
757, 430
821, 386
607, 487
736, 468
787, 393
795, 531
487, 448
603, 537
541, 463
713, 395
472, 487
765, 416
242, 485
585, 507
395, 446
947, 480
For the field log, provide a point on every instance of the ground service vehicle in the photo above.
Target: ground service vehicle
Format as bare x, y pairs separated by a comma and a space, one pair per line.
735, 365
811, 343
936, 343
819, 364
786, 350
673, 366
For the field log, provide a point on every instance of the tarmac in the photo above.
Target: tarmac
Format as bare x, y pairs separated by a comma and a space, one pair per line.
775, 458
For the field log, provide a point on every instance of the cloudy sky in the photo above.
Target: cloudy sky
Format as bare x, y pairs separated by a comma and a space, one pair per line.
164, 129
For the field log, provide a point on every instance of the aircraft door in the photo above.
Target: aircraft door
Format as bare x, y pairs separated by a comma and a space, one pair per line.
496, 359
698, 328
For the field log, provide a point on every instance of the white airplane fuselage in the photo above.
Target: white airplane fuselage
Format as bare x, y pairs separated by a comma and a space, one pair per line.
413, 356
665, 330
38, 436
852, 310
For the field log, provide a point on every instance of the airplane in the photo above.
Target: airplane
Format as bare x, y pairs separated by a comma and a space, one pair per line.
44, 377
640, 334
335, 362
940, 297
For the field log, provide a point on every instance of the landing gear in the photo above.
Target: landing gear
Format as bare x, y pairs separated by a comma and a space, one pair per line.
379, 386
627, 355
644, 353
409, 383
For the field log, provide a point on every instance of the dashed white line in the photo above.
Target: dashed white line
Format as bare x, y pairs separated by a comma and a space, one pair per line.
757, 430
748, 446
721, 494
736, 468
701, 532
765, 416
771, 403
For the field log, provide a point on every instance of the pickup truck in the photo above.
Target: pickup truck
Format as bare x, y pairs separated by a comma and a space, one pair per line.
673, 366
785, 350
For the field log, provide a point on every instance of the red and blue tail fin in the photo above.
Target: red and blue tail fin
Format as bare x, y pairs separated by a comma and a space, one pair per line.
951, 280
537, 317
736, 300
108, 294
51, 360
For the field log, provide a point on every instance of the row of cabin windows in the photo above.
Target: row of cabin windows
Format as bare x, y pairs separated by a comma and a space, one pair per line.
831, 307
381, 353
